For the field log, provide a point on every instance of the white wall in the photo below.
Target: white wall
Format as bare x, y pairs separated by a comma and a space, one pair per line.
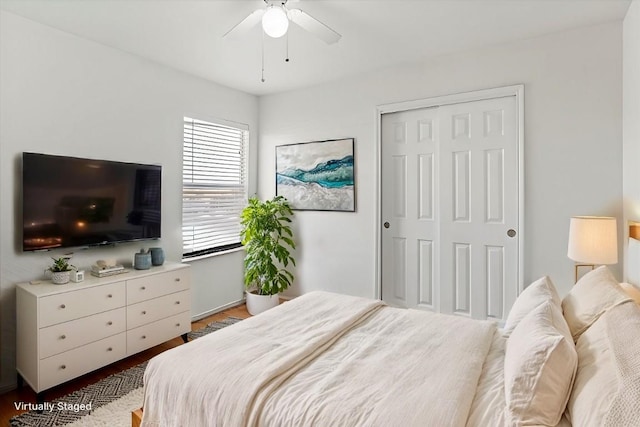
65, 95
573, 146
631, 134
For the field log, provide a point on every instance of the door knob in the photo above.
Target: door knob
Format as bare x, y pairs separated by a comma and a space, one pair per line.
386, 225
511, 232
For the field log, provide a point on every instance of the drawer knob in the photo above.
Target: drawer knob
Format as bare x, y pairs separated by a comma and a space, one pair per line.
143, 288
144, 312
110, 349
63, 306
177, 279
109, 296
177, 325
109, 323
63, 367
178, 302
144, 337
63, 337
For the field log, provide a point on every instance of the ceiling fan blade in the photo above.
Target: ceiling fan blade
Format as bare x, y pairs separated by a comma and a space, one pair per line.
314, 26
246, 24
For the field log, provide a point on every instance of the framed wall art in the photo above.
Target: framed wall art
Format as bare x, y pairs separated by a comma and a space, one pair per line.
318, 176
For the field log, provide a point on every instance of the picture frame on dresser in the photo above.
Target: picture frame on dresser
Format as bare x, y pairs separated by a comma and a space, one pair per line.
66, 331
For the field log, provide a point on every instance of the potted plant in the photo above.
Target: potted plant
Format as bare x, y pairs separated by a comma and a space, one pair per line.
268, 241
60, 270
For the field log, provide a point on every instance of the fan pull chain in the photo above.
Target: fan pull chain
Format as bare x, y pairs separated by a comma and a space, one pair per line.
262, 79
287, 58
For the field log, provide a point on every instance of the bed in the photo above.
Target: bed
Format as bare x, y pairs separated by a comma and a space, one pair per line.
325, 359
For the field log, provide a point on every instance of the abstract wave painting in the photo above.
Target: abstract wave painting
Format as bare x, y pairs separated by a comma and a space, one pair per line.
317, 175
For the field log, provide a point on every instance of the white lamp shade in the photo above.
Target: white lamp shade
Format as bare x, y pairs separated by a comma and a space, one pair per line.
593, 240
275, 21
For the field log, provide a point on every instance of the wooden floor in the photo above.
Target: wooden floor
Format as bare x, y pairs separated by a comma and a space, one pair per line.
25, 394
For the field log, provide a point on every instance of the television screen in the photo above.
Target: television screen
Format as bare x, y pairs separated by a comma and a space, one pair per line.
70, 202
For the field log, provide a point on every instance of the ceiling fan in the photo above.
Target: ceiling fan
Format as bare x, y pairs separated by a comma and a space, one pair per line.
275, 19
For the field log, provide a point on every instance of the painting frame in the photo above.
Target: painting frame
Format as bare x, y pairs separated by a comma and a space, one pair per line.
317, 175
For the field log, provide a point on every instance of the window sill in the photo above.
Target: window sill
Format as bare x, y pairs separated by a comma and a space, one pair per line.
214, 254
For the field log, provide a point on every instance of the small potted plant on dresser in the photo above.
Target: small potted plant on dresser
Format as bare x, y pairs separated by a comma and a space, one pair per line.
268, 240
61, 270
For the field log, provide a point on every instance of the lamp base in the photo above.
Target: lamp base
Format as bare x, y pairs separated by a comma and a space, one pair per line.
582, 265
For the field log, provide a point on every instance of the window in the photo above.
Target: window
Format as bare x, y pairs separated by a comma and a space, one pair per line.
214, 186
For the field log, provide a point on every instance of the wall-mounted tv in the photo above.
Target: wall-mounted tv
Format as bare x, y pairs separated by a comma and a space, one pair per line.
72, 202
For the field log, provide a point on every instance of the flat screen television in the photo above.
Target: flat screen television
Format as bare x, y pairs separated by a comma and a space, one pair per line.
74, 202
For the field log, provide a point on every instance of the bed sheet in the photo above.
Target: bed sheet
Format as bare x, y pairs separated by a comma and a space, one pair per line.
400, 367
388, 364
488, 407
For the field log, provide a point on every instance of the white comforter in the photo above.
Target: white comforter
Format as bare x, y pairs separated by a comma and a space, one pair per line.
323, 360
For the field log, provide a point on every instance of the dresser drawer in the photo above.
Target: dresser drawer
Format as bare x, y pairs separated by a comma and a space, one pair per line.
80, 303
65, 366
155, 309
76, 333
156, 285
155, 333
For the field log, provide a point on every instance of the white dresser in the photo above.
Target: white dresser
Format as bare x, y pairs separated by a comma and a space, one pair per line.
64, 331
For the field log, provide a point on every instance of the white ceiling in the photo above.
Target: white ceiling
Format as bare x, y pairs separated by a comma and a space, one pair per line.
187, 35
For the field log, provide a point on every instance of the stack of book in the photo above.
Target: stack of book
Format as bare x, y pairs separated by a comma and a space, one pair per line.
107, 271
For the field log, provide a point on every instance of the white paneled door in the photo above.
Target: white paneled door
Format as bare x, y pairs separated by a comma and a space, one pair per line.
450, 208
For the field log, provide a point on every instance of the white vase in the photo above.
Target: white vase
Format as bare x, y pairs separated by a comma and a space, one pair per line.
60, 277
256, 304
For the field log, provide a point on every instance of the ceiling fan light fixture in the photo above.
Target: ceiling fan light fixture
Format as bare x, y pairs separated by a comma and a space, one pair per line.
275, 21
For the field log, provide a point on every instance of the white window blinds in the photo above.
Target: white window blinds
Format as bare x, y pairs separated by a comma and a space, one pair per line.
214, 186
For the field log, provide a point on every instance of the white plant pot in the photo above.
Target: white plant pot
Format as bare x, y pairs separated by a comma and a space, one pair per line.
256, 304
60, 277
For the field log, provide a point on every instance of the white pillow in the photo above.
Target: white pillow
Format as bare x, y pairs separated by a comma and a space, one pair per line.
595, 293
596, 381
535, 294
608, 370
539, 367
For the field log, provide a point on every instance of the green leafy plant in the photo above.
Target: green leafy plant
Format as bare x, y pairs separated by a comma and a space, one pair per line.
61, 264
268, 240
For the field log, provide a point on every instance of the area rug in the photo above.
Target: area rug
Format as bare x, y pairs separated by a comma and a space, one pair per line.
112, 399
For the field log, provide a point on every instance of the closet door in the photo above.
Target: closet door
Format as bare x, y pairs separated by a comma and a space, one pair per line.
451, 203
410, 246
479, 207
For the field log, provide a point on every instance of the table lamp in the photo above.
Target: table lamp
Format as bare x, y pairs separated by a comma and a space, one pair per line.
593, 240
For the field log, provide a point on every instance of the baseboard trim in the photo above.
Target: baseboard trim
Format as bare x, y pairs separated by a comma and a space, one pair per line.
217, 310
8, 387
